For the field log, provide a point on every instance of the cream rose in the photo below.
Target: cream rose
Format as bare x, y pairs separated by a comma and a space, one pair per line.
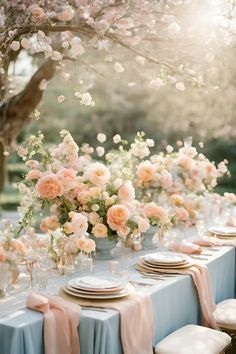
98, 173
100, 230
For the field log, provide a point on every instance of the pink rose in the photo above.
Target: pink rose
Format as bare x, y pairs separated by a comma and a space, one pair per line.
100, 230
166, 179
145, 171
181, 213
67, 14
81, 243
33, 174
98, 173
49, 187
34, 164
68, 178
36, 11
123, 231
126, 192
117, 216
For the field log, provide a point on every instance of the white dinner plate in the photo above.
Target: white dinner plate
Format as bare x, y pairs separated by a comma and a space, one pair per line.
91, 282
166, 257
163, 267
129, 289
223, 230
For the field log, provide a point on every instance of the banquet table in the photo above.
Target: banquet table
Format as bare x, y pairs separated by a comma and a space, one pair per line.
174, 301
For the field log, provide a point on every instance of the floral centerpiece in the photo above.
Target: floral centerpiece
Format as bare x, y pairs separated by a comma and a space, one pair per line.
80, 194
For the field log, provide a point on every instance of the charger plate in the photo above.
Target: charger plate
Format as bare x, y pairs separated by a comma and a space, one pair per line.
129, 289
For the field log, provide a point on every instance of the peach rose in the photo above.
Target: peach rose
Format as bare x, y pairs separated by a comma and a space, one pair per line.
49, 223
145, 171
98, 173
81, 243
117, 216
79, 187
181, 214
89, 246
100, 230
67, 177
33, 174
185, 162
67, 227
79, 224
49, 187
152, 210
3, 256
176, 199
18, 246
126, 192
123, 231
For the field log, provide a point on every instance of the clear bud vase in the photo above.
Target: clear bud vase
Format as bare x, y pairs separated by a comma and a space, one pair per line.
160, 239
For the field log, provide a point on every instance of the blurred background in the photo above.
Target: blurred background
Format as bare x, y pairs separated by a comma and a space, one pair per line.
126, 103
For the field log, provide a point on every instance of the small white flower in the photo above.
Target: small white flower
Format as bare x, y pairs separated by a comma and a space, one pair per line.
117, 139
95, 207
157, 83
174, 28
118, 67
150, 142
100, 151
25, 43
180, 86
140, 60
43, 85
86, 99
15, 45
169, 149
101, 138
61, 98
56, 55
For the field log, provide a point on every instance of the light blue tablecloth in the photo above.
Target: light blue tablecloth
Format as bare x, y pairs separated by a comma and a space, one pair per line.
175, 304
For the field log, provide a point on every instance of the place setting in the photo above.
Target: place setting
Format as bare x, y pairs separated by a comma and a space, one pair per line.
223, 232
161, 262
96, 288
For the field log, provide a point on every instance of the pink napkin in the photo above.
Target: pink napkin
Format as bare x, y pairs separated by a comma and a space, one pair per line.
186, 247
61, 319
136, 319
214, 241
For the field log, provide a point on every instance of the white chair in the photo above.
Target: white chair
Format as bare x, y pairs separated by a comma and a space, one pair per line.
193, 339
225, 316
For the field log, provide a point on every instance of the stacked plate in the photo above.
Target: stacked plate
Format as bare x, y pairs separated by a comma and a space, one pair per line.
164, 261
223, 231
97, 288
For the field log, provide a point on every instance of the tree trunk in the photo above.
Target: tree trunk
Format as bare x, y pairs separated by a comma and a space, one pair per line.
3, 166
15, 113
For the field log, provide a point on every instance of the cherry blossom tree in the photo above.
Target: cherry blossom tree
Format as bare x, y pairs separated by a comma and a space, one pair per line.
169, 36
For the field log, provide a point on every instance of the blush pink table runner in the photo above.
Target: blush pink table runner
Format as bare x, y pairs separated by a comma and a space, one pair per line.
61, 319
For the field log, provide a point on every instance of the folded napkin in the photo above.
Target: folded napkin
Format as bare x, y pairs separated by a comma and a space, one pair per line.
136, 320
186, 247
214, 241
202, 282
61, 319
